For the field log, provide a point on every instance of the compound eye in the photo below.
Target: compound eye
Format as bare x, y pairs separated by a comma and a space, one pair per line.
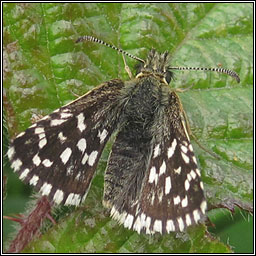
168, 76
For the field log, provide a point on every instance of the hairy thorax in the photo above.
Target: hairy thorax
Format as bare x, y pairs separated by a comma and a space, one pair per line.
143, 100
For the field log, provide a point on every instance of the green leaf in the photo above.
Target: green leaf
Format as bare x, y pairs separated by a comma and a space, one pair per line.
43, 68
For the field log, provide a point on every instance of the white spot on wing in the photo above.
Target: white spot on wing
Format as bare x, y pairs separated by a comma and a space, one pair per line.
157, 151
57, 122
177, 170
46, 189
76, 199
153, 176
162, 168
73, 199
47, 163
39, 130
85, 158
128, 221
113, 210
203, 206
187, 185
42, 143
122, 217
34, 180
184, 149
147, 224
81, 145
137, 224
172, 148
194, 159
65, 155
58, 196
198, 172
185, 158
80, 122
16, 165
196, 215
188, 220
184, 202
193, 174
61, 137
102, 135
65, 115
158, 226
181, 223
143, 220
170, 226
168, 185
189, 177
11, 152
36, 160
201, 185
41, 135
176, 200
115, 214
24, 174
92, 158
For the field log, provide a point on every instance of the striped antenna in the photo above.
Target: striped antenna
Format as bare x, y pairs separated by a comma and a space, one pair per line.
220, 70
96, 40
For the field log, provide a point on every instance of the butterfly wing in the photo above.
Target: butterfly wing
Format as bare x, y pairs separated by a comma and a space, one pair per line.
157, 186
59, 154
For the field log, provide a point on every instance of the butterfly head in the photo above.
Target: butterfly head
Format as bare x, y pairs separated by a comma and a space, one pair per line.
157, 65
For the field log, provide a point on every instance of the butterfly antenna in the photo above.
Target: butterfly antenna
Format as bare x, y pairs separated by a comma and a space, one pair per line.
96, 40
219, 70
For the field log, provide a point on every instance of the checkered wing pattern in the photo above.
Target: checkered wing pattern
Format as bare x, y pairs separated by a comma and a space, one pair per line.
59, 154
